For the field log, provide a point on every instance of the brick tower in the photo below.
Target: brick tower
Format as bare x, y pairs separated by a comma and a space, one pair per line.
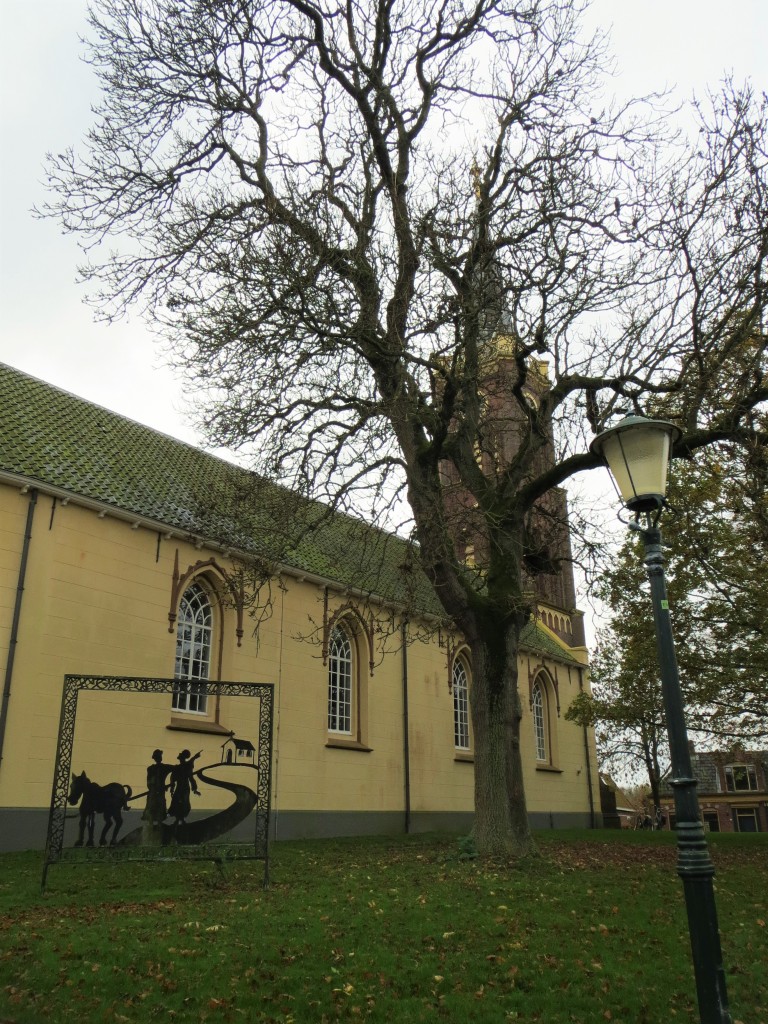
549, 580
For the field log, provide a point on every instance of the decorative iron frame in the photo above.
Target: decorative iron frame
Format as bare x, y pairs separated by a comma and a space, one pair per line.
218, 852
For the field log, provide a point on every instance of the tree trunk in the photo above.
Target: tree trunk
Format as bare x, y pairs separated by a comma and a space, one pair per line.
654, 772
501, 817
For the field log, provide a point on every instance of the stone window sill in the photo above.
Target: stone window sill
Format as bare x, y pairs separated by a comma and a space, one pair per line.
196, 725
549, 768
341, 744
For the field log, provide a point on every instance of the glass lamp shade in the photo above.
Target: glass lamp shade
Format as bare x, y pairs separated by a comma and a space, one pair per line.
636, 452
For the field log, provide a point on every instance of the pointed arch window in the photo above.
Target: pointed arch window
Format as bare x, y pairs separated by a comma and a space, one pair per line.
539, 709
340, 682
194, 634
461, 738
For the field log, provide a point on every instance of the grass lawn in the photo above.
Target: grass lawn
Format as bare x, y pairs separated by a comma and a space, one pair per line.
382, 930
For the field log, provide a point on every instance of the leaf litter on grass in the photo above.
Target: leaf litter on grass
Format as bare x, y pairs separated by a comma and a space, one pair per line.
386, 931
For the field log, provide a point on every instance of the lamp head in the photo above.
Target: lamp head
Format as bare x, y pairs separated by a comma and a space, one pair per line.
636, 452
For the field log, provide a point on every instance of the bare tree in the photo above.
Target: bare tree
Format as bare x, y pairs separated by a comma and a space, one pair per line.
366, 226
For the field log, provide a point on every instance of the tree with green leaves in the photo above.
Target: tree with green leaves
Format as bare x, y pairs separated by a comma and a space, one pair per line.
718, 545
366, 228
716, 542
625, 705
626, 711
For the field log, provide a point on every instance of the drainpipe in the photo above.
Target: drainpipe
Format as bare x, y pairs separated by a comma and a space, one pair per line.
16, 616
406, 743
592, 823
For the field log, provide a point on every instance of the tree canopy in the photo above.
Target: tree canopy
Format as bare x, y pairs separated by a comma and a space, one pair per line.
368, 229
716, 541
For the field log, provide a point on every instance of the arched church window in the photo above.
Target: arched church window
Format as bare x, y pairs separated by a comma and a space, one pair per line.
460, 705
194, 633
539, 708
340, 681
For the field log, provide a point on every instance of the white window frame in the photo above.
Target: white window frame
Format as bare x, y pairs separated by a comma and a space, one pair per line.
461, 736
749, 773
539, 712
341, 682
194, 646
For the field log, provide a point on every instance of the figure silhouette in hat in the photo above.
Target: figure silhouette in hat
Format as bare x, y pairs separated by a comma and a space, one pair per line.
182, 782
156, 812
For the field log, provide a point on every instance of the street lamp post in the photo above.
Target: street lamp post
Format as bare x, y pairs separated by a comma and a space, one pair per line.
636, 452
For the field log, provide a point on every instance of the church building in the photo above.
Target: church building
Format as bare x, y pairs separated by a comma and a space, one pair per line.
127, 554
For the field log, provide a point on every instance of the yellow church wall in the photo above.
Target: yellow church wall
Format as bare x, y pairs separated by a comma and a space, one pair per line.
13, 514
572, 770
309, 769
96, 602
101, 602
438, 780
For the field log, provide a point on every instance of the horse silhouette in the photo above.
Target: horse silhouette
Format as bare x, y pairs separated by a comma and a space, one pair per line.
108, 800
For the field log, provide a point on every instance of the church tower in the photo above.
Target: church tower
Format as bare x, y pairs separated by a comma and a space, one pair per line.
549, 578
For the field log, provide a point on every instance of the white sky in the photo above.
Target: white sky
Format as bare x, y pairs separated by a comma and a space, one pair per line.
45, 97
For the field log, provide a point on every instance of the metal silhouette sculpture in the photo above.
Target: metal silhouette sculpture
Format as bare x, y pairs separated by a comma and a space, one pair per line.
180, 831
156, 811
215, 837
110, 801
182, 784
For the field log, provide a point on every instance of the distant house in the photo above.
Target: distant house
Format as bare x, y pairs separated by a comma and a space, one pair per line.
732, 790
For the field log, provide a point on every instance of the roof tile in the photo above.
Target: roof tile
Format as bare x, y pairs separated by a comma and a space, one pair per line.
50, 436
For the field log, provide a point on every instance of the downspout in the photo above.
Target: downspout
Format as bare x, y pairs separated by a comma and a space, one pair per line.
592, 822
16, 617
406, 742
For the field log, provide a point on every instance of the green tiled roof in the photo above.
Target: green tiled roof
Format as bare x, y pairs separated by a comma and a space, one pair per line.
534, 638
52, 437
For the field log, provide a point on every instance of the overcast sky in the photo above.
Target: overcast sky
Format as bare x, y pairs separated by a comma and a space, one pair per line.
45, 98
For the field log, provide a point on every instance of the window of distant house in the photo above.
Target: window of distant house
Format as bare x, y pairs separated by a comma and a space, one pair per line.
539, 709
460, 705
193, 650
340, 681
740, 777
746, 819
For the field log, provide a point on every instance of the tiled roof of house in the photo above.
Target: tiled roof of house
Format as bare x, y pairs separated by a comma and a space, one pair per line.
705, 771
707, 767
51, 437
